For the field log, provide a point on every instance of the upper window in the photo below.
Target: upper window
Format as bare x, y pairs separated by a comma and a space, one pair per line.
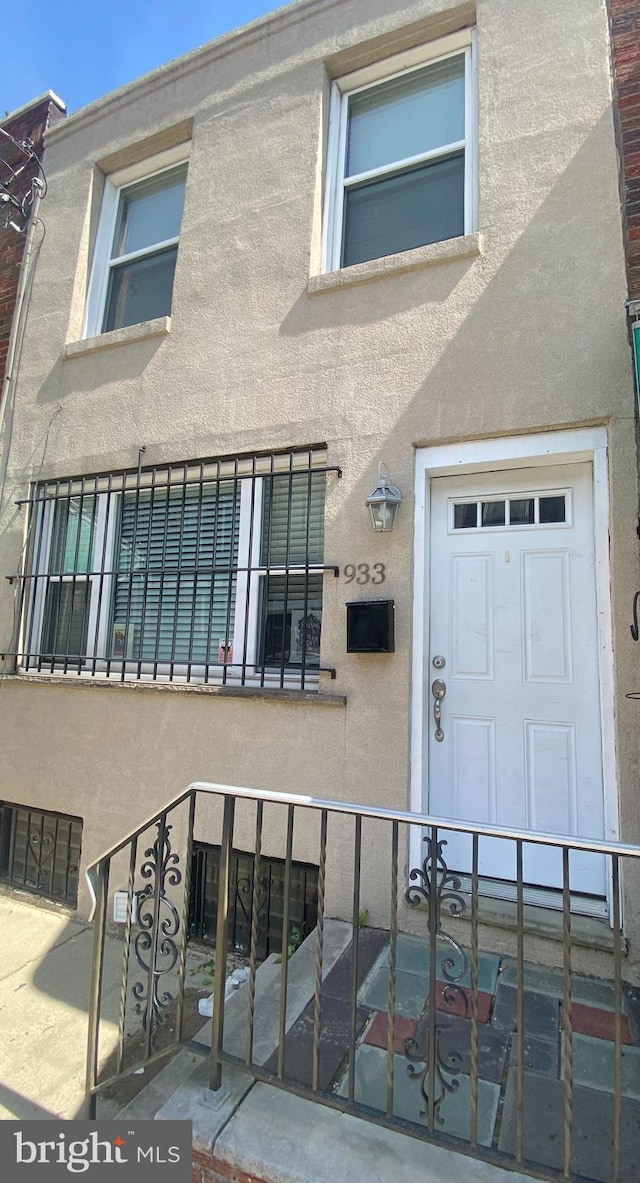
199, 572
137, 245
403, 172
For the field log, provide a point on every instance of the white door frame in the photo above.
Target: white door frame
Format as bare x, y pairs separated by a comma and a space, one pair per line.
502, 454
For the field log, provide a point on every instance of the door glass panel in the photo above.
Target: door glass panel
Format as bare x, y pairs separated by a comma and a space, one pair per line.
521, 511
465, 517
552, 509
493, 513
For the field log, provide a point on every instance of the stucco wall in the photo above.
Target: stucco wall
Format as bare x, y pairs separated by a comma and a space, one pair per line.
526, 335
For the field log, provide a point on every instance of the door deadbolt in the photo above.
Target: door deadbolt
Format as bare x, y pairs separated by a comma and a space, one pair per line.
438, 663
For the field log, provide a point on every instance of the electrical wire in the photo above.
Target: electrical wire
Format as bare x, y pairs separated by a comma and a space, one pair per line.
7, 416
37, 185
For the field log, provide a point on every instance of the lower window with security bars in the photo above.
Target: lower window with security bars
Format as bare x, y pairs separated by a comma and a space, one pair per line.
207, 571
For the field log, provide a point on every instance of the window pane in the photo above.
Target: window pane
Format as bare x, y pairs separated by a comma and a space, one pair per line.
292, 619
72, 540
293, 509
401, 212
66, 619
465, 517
150, 212
521, 511
141, 290
406, 116
493, 513
176, 581
552, 509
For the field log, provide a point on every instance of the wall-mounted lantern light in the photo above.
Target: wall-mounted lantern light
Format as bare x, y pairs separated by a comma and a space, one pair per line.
383, 502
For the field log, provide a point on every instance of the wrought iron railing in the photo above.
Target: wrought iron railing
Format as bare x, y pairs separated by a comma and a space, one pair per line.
442, 1037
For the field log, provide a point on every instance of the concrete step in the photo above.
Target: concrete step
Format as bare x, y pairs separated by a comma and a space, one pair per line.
181, 1089
275, 1137
255, 1131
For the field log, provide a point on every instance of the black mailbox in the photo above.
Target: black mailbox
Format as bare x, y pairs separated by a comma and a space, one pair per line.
370, 626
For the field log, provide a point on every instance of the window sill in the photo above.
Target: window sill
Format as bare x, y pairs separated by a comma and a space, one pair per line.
140, 332
275, 694
449, 251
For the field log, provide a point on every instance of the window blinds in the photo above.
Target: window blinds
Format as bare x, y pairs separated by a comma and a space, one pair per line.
175, 586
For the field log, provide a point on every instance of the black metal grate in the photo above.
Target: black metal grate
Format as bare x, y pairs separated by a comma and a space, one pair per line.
40, 851
303, 900
205, 572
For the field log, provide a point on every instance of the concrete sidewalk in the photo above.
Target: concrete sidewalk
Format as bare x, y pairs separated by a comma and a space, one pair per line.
44, 986
44, 989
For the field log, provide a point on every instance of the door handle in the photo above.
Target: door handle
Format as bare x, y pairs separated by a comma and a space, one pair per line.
439, 691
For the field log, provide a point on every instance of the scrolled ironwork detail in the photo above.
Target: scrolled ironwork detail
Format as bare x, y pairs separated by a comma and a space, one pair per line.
158, 919
446, 1068
439, 888
439, 885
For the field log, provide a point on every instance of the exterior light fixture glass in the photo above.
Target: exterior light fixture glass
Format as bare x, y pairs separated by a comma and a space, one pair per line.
383, 502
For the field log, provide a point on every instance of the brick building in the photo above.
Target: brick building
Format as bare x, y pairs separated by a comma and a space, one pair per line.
625, 50
17, 172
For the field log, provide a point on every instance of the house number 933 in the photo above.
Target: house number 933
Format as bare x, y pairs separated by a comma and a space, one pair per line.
364, 573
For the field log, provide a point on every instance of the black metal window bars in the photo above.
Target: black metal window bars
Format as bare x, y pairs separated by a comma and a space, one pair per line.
40, 851
207, 571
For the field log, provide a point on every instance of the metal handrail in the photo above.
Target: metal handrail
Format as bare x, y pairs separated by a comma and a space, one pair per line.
562, 841
432, 885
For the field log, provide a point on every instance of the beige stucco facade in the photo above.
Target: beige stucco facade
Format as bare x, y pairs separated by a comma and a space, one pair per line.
517, 328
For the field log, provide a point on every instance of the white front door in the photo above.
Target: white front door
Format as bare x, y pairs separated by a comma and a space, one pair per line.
514, 643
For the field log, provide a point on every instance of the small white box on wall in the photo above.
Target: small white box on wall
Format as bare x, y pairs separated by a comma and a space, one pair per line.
120, 907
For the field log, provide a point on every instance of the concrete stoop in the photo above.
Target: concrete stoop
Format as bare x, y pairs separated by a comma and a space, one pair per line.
275, 1137
252, 1132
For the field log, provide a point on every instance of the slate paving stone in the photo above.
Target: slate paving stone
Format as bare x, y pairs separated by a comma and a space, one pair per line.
412, 954
377, 1033
335, 1032
536, 978
541, 1012
591, 1020
587, 991
543, 1127
412, 957
410, 999
409, 1103
371, 942
411, 992
455, 1040
541, 1056
413, 962
458, 1001
595, 993
594, 1065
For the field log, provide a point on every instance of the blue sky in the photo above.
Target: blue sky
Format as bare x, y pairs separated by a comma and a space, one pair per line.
82, 49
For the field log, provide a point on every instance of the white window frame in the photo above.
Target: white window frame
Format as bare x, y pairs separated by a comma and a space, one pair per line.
102, 261
105, 523
246, 613
343, 89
